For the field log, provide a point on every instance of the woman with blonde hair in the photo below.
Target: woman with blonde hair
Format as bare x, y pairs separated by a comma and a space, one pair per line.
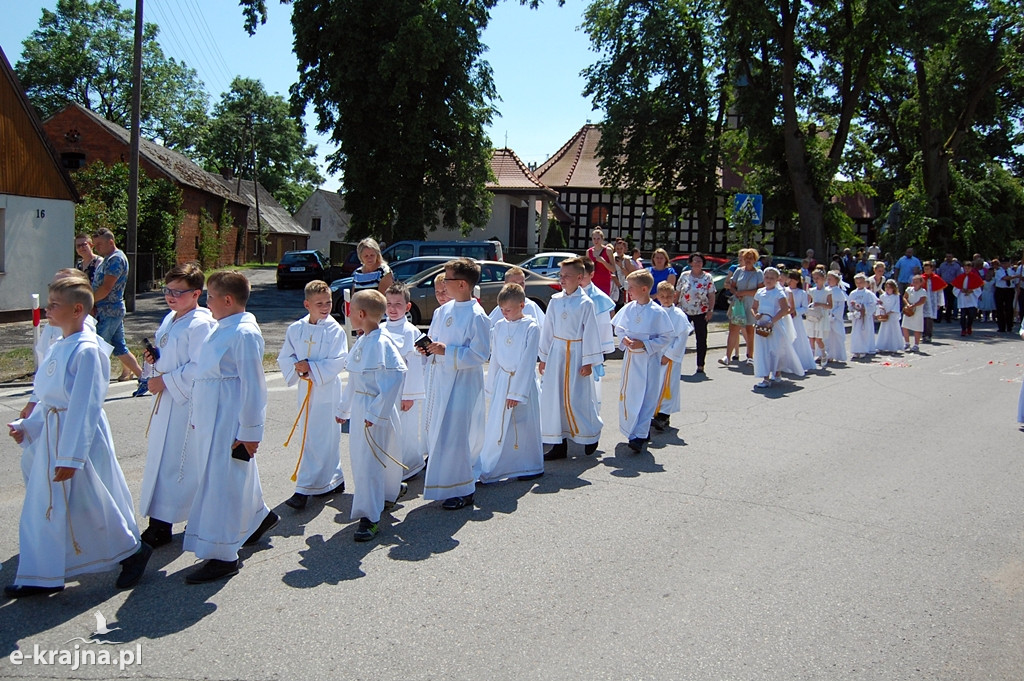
661, 269
373, 273
743, 283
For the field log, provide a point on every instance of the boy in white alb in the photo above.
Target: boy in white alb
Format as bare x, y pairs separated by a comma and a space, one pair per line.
376, 372
516, 275
77, 516
644, 330
460, 336
672, 358
862, 303
229, 406
412, 441
512, 443
313, 356
171, 476
570, 348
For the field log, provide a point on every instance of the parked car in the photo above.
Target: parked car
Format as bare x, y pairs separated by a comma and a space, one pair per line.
400, 270
301, 267
539, 289
546, 264
478, 250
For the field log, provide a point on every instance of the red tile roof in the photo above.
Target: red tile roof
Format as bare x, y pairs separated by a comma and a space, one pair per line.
513, 177
575, 164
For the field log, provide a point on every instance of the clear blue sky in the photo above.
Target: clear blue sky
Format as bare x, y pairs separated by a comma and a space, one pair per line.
536, 55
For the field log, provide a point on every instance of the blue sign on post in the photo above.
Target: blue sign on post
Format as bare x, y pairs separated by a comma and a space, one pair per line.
752, 203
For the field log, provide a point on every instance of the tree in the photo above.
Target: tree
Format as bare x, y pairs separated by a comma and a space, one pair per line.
660, 81
104, 191
82, 53
249, 123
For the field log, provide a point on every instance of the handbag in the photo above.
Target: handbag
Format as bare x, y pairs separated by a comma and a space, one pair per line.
737, 313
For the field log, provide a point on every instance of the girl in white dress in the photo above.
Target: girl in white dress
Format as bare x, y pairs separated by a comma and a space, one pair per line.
819, 321
773, 353
888, 337
862, 309
798, 302
914, 300
835, 344
987, 304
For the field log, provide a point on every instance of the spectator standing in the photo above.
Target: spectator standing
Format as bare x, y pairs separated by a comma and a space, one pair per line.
108, 286
373, 273
949, 269
661, 269
604, 265
696, 296
905, 268
1004, 277
87, 260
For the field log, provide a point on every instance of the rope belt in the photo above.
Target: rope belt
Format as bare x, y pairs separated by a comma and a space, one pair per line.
566, 396
156, 406
67, 511
511, 412
303, 411
666, 393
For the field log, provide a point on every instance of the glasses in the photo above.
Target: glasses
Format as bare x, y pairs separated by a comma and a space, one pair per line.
82, 245
175, 293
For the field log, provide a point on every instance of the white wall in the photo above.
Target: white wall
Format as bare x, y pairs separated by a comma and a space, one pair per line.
332, 225
498, 225
34, 247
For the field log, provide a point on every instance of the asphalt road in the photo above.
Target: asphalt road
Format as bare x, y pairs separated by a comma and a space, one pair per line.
864, 523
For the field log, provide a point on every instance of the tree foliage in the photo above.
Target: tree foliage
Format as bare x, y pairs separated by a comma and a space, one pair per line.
82, 53
248, 123
104, 191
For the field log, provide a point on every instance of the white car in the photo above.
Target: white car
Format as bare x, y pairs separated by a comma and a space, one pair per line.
546, 264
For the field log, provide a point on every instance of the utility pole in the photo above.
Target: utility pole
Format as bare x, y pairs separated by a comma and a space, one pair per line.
131, 246
260, 248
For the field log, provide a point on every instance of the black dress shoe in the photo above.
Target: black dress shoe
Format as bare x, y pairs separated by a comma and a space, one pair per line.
21, 591
455, 503
269, 523
531, 476
297, 501
211, 571
157, 534
133, 566
590, 449
559, 451
340, 489
636, 444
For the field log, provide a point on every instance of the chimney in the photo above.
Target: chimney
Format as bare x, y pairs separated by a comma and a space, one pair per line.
227, 173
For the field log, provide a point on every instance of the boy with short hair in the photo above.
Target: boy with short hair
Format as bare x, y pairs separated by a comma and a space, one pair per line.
376, 372
516, 275
313, 356
440, 291
229, 406
77, 516
672, 357
411, 440
460, 345
644, 330
570, 342
171, 475
512, 443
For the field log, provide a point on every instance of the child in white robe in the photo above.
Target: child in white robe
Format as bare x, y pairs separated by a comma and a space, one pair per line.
313, 356
773, 353
863, 304
229, 406
798, 302
376, 373
835, 344
643, 330
78, 515
516, 275
967, 300
412, 440
672, 359
888, 337
171, 475
915, 298
512, 443
570, 348
460, 344
819, 317
603, 309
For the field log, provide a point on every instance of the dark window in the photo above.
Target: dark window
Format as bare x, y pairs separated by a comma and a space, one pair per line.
72, 160
314, 225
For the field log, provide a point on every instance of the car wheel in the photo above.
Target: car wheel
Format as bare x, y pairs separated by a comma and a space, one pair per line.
414, 312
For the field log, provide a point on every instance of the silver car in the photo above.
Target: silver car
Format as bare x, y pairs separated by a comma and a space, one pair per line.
546, 264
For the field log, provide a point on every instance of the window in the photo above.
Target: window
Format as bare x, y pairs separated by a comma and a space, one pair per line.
72, 160
314, 225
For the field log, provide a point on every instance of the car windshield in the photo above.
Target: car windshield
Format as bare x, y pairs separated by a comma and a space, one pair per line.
296, 258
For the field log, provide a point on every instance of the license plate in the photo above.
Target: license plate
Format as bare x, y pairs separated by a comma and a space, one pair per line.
298, 269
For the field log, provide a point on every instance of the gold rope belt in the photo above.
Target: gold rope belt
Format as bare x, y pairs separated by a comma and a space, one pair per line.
67, 511
666, 393
303, 411
566, 397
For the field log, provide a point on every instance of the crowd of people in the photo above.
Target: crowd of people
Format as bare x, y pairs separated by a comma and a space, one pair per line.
414, 402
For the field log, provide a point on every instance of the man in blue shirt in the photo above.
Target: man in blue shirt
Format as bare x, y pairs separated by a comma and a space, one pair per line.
108, 289
905, 269
949, 270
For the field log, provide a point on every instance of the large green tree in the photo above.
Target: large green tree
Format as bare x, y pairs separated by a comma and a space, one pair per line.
249, 125
82, 52
660, 81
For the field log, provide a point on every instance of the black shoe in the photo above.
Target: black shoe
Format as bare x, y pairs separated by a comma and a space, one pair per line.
269, 523
657, 424
636, 444
531, 476
559, 451
455, 503
133, 566
340, 489
211, 571
403, 489
367, 530
297, 501
21, 591
157, 534
590, 449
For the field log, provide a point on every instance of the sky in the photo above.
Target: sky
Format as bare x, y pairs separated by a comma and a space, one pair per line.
536, 56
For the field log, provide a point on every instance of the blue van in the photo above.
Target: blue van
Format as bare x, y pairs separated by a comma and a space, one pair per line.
478, 250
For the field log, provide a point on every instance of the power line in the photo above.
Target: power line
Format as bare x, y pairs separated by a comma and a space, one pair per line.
196, 54
211, 41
